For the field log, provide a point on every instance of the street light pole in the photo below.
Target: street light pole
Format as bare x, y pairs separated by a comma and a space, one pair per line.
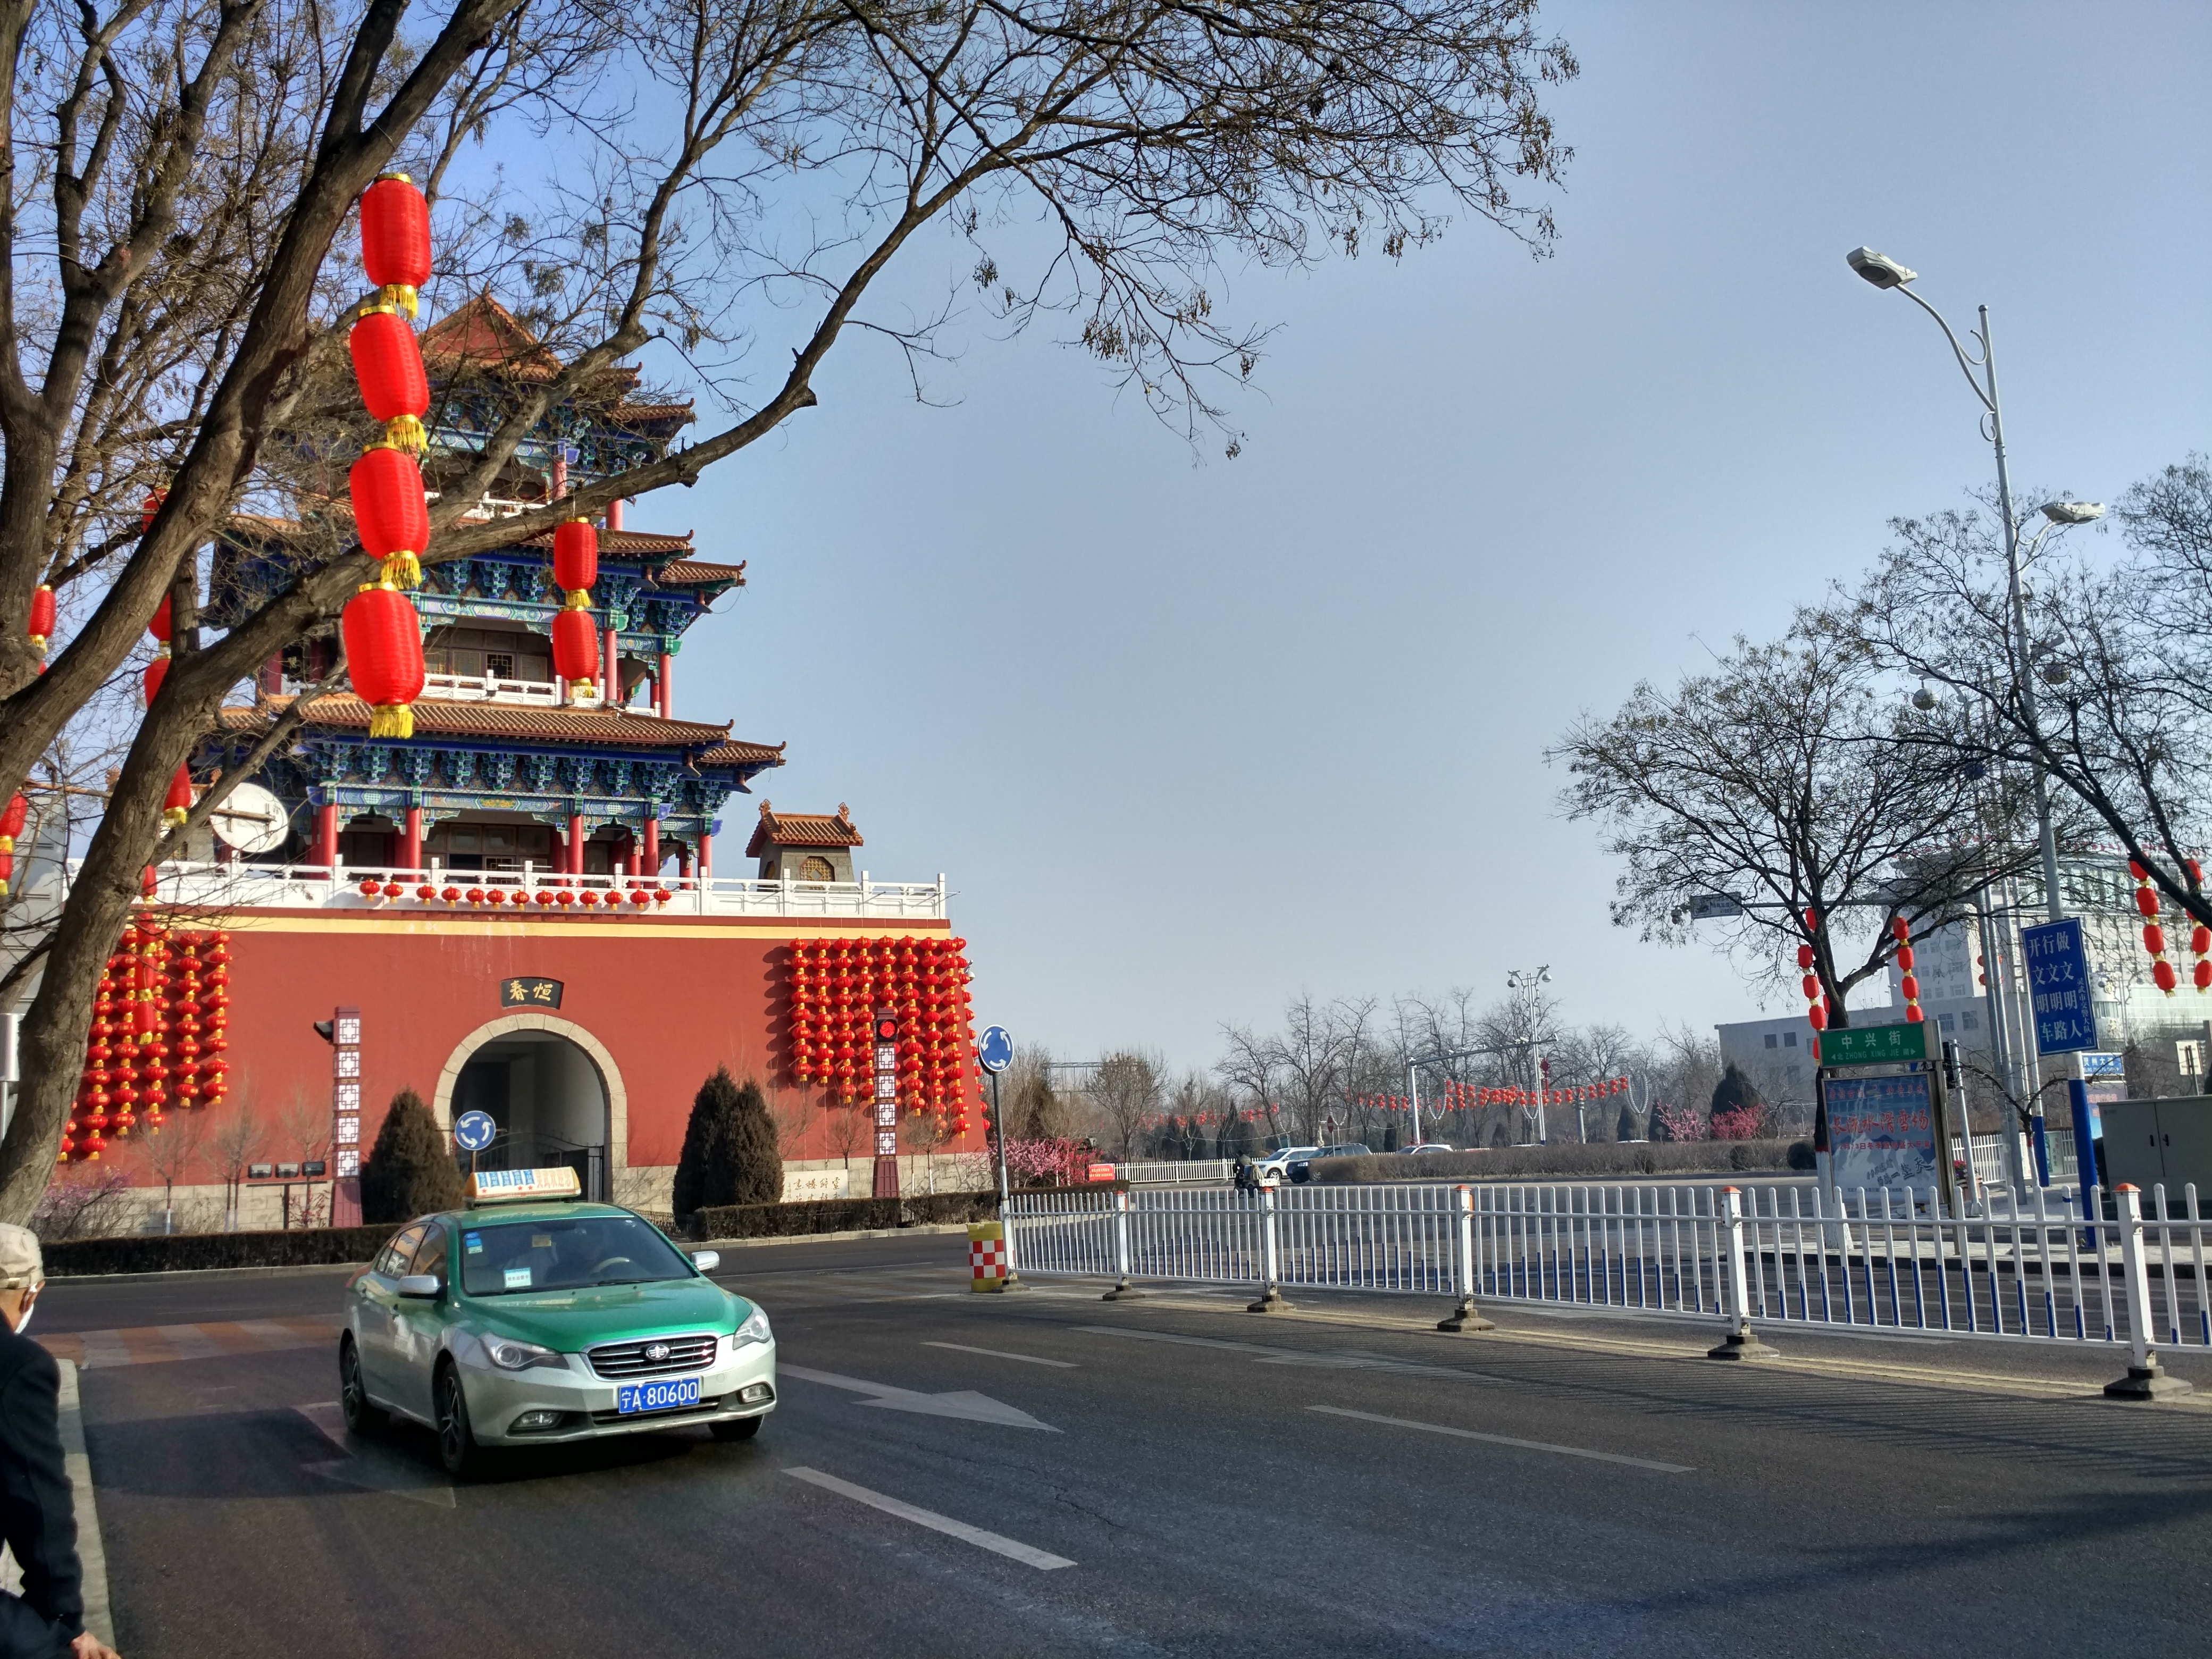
1886, 273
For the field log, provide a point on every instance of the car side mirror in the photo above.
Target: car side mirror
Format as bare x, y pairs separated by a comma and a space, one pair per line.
706, 1261
420, 1284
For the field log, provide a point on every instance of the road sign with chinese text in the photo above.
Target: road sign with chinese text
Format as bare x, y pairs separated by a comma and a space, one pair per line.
1881, 1130
2058, 986
1875, 1045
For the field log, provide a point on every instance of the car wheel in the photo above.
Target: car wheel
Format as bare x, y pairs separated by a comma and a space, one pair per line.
456, 1442
361, 1417
736, 1428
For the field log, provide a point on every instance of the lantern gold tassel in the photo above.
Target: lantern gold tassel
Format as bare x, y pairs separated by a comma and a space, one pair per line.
403, 570
392, 719
579, 599
405, 432
401, 298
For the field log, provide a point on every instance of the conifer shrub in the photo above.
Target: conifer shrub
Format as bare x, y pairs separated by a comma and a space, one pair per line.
731, 1155
409, 1171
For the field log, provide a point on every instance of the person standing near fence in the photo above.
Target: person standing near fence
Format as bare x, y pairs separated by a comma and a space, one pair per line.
38, 1516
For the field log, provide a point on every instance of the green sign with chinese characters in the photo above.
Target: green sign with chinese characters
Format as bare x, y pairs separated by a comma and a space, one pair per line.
1875, 1045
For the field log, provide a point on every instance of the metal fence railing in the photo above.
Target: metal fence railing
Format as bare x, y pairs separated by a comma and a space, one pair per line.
2041, 1264
1189, 1172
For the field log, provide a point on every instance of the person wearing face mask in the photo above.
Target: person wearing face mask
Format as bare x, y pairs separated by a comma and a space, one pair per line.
38, 1519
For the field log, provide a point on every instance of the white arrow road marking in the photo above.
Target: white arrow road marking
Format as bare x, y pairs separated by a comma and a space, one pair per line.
1507, 1440
961, 1403
1000, 1353
370, 1467
930, 1518
1325, 1358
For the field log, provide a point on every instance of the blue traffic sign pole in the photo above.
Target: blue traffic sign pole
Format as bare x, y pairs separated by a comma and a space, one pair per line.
2060, 999
994, 1051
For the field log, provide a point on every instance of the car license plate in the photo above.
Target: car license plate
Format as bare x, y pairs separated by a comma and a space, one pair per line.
672, 1395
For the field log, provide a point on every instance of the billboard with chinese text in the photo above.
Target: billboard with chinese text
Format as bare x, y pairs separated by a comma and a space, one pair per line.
2058, 986
1881, 1132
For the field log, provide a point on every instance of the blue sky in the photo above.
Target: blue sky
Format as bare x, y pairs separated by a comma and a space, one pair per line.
1189, 739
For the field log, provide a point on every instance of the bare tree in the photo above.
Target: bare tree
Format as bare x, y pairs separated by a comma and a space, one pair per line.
235, 1146
848, 1130
176, 317
1790, 785
174, 1154
303, 1129
1128, 1094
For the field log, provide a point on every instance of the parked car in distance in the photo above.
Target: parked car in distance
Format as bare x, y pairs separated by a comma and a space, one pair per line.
1269, 1172
1426, 1146
1300, 1168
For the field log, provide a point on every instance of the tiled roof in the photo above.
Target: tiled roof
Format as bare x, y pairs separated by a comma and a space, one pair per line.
624, 543
738, 752
619, 728
803, 829
485, 333
682, 413
684, 572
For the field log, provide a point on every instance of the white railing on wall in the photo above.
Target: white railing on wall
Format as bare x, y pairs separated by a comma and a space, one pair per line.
490, 688
532, 890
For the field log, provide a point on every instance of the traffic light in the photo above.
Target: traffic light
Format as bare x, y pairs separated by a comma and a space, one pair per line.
887, 1029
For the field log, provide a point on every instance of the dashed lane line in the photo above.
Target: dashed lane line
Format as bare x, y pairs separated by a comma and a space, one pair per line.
996, 1543
1507, 1440
1000, 1353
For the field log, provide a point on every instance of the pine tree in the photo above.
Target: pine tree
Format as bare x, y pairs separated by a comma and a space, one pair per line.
410, 1170
731, 1154
755, 1157
1737, 1112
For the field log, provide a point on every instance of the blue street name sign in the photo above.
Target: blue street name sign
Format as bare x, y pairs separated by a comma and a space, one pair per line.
994, 1049
473, 1131
2058, 985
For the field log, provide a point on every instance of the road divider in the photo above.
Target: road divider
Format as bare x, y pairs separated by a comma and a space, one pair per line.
1506, 1440
997, 1543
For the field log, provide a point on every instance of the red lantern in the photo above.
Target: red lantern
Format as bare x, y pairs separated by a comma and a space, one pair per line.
12, 819
148, 510
576, 648
395, 240
177, 805
156, 672
575, 554
42, 617
390, 512
159, 628
384, 653
388, 362
2153, 936
2162, 976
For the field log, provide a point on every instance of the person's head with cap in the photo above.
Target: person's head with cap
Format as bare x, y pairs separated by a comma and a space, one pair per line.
22, 1273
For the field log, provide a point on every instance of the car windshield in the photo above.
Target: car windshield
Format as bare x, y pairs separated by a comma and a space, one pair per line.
503, 1257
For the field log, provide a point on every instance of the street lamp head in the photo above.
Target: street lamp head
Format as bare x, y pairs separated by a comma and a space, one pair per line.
1924, 700
1879, 268
2073, 512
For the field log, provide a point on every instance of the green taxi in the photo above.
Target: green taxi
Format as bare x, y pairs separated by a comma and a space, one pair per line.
527, 1322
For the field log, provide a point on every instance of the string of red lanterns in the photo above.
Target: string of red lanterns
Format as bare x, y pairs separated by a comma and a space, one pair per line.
575, 636
2153, 936
159, 1025
383, 634
12, 819
834, 987
1908, 982
44, 614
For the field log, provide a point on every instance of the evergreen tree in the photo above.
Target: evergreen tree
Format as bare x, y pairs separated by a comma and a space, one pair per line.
1737, 1112
1626, 1128
410, 1170
730, 1152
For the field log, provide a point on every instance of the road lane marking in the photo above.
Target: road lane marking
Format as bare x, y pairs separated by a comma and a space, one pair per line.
997, 1544
1508, 1440
957, 1403
1320, 1358
1000, 1353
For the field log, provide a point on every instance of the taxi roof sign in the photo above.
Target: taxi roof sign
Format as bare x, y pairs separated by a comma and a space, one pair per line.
512, 1185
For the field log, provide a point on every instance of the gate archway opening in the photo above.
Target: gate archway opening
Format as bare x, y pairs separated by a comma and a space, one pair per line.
552, 1090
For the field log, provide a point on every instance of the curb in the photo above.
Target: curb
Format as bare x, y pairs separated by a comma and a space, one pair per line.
927, 1229
91, 1549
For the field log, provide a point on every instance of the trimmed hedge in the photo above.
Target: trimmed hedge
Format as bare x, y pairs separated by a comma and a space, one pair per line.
840, 1215
157, 1253
1597, 1160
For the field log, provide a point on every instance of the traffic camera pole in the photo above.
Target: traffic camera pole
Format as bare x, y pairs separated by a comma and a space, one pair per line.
885, 1036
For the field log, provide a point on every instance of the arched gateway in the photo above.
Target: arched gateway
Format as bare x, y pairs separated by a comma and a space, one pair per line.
553, 1089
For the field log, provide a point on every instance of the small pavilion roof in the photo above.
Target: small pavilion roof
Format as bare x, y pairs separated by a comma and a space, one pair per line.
803, 829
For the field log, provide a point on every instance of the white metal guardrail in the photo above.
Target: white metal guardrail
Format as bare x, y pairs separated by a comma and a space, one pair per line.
1188, 1172
241, 886
2039, 1265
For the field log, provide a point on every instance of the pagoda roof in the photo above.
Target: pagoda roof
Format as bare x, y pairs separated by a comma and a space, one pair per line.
622, 543
483, 334
645, 547
687, 572
601, 728
803, 829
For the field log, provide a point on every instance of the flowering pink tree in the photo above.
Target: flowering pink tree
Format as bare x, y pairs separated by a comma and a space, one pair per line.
1680, 1122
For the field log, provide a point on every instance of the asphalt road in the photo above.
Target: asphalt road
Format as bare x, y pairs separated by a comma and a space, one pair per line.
1168, 1475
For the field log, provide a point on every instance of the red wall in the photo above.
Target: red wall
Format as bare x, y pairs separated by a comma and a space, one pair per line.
670, 998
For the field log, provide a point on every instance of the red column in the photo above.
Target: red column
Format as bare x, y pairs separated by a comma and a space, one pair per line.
410, 843
683, 861
705, 852
652, 864
576, 846
615, 513
664, 688
326, 838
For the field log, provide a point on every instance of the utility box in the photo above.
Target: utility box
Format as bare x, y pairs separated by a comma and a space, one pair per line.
2154, 1143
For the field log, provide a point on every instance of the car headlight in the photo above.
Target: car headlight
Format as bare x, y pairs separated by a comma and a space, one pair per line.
511, 1355
755, 1329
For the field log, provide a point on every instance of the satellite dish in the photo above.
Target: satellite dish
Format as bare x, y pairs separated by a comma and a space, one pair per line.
251, 820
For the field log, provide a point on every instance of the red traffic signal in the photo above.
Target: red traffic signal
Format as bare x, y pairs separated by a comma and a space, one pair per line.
886, 1028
